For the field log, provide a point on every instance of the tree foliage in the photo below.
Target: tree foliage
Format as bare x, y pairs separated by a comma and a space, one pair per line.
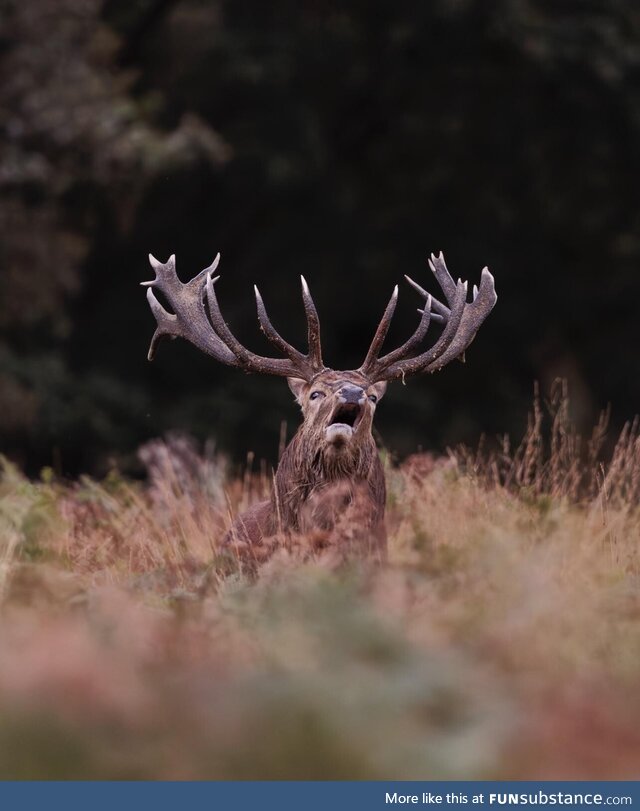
343, 140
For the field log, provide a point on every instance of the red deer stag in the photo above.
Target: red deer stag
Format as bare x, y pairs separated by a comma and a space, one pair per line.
332, 460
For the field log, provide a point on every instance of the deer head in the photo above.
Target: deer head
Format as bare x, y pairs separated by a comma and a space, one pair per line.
338, 406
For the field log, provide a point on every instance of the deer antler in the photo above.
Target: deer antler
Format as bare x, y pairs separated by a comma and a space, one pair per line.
462, 321
209, 332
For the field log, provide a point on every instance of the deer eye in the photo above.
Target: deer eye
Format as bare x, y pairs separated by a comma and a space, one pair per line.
373, 398
315, 394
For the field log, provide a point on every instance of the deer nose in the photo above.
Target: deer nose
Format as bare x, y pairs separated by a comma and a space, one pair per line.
351, 394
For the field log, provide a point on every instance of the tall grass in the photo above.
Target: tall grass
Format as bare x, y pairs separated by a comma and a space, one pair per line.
501, 639
554, 460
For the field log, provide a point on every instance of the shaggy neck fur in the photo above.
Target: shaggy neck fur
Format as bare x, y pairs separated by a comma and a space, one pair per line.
310, 464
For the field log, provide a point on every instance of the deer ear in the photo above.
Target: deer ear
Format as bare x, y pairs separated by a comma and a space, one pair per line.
380, 389
296, 385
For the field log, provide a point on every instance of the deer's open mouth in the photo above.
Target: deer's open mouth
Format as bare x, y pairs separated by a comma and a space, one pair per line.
344, 421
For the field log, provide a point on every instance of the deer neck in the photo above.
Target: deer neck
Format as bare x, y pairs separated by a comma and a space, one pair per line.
317, 461
307, 465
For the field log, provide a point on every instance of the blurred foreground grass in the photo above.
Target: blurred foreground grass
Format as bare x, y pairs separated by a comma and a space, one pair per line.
501, 639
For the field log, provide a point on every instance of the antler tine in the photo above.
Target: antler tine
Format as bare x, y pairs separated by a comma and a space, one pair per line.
439, 268
370, 362
189, 318
313, 328
272, 334
167, 323
246, 359
439, 311
414, 341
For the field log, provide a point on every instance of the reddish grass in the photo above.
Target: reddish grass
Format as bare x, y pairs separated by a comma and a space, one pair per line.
501, 639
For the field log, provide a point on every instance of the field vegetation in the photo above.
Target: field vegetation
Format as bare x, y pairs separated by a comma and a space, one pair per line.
501, 638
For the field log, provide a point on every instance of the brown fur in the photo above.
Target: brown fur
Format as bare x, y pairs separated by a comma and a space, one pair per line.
319, 482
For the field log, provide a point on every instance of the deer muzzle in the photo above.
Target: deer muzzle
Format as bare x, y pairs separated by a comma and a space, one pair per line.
346, 415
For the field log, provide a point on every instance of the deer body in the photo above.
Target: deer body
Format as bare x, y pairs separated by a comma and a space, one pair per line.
330, 478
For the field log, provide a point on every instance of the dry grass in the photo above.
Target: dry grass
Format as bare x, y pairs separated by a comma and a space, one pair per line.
501, 639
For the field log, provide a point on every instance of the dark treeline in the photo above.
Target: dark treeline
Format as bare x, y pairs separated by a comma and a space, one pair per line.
343, 140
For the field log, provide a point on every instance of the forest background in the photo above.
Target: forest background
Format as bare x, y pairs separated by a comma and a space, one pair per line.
343, 140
